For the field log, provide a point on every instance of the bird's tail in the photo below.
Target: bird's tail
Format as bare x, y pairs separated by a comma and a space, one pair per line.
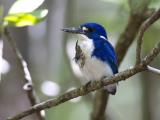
111, 89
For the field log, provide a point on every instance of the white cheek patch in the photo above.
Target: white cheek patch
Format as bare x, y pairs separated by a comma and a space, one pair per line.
84, 29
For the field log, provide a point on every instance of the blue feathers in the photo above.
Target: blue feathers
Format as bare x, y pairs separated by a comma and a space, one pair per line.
97, 54
105, 52
96, 30
103, 49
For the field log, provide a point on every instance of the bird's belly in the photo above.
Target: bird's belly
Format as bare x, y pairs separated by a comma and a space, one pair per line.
94, 69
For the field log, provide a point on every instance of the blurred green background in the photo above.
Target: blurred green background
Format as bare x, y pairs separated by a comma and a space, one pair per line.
49, 54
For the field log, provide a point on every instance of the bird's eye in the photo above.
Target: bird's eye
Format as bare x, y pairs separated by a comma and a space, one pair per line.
91, 30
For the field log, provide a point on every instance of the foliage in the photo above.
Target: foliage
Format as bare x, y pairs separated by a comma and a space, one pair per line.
25, 19
20, 15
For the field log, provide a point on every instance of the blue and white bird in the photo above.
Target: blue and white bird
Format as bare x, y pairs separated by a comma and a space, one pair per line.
97, 58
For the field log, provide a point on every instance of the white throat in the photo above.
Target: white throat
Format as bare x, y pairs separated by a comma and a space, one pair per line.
86, 44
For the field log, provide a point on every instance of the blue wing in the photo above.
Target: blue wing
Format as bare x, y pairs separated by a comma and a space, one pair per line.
105, 52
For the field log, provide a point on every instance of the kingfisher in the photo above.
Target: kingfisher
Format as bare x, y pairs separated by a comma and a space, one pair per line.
95, 55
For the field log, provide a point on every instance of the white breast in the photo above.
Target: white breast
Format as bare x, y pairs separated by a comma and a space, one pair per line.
93, 69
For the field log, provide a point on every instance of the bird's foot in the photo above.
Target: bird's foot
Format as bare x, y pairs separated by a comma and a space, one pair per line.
88, 83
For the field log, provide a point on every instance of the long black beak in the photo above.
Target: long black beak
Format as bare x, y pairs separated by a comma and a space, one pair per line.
73, 30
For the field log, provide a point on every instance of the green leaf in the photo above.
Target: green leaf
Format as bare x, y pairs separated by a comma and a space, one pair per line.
25, 19
25, 6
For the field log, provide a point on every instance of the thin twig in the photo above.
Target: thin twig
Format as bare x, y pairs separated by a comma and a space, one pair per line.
153, 70
94, 85
130, 32
100, 104
28, 87
155, 51
154, 17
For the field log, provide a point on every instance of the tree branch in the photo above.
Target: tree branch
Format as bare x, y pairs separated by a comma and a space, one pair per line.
124, 42
28, 87
153, 70
154, 17
155, 51
99, 105
94, 85
130, 32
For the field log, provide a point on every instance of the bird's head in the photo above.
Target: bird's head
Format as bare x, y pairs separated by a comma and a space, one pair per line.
91, 30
